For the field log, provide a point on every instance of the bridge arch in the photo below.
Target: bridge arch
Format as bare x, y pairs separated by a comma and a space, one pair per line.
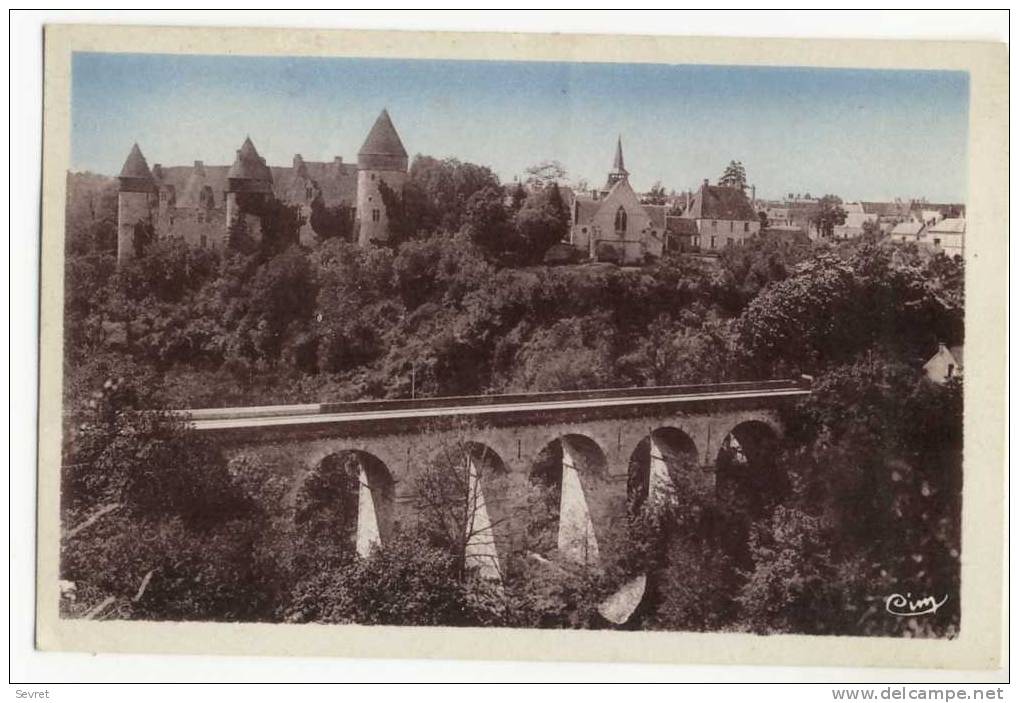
748, 480
664, 454
350, 493
471, 473
578, 500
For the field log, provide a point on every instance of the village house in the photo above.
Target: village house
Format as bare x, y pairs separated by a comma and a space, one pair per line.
856, 218
948, 236
723, 217
944, 365
906, 232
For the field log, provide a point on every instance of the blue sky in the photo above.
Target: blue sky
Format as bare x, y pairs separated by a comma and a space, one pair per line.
857, 133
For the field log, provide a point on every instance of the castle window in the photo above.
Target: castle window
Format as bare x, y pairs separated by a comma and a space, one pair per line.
620, 221
731, 225
714, 224
376, 215
373, 176
746, 226
202, 241
712, 241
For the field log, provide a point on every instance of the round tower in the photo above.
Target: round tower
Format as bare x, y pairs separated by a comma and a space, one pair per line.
137, 189
381, 159
249, 181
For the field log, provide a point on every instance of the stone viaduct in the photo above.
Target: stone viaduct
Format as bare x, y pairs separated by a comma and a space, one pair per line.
590, 453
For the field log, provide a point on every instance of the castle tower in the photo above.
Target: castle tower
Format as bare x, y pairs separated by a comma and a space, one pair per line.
618, 172
137, 189
381, 159
249, 181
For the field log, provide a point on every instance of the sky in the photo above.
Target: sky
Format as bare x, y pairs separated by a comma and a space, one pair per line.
860, 134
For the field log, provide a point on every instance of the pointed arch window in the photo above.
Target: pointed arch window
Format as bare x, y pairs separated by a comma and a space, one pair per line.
620, 220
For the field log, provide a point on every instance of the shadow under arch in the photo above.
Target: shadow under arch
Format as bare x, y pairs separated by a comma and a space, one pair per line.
350, 492
673, 455
748, 481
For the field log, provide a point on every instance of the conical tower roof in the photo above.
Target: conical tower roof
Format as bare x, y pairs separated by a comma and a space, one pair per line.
383, 140
249, 165
136, 166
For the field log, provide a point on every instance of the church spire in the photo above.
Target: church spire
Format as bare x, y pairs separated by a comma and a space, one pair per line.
617, 164
618, 172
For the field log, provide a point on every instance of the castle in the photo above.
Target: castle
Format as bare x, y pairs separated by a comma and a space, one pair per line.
203, 204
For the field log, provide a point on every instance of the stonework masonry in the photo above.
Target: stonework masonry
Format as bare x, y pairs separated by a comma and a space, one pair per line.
598, 453
200, 204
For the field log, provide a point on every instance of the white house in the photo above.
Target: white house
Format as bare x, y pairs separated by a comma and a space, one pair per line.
945, 364
910, 231
948, 236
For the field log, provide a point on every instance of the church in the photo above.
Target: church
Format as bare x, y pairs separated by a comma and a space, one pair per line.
202, 204
612, 224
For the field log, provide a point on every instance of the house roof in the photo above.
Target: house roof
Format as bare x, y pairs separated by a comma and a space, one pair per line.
682, 226
912, 228
953, 225
855, 220
383, 140
657, 214
893, 209
135, 166
720, 203
584, 209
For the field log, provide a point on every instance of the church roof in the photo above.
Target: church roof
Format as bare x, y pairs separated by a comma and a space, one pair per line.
383, 140
136, 166
720, 203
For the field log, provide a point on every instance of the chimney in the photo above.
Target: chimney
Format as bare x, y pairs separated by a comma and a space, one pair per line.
298, 161
705, 181
753, 194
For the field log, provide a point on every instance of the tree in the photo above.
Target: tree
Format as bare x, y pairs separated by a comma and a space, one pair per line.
734, 176
829, 213
518, 196
486, 221
332, 221
655, 196
544, 174
441, 189
872, 230
542, 222
155, 526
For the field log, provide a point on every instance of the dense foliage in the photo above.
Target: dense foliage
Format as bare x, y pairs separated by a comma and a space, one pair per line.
862, 499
